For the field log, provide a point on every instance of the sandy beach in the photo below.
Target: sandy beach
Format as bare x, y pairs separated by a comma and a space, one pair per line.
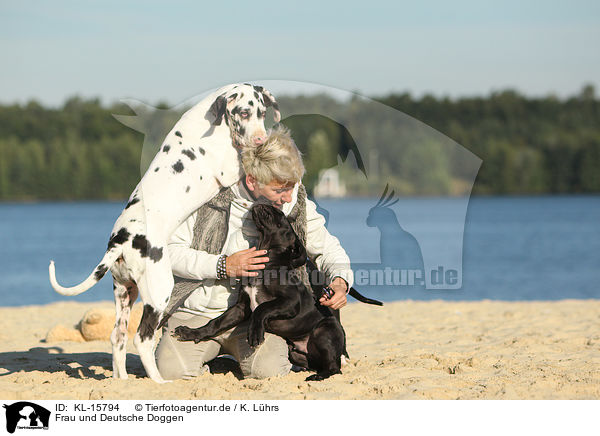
404, 350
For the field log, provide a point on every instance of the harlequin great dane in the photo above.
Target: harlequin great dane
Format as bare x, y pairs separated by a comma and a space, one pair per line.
198, 157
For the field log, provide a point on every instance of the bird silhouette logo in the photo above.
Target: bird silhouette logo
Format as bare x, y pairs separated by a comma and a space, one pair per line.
398, 248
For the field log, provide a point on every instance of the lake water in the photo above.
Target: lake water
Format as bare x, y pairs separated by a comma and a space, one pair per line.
515, 248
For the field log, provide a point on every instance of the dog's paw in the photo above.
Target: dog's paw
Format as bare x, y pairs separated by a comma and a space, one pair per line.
256, 335
183, 333
314, 377
322, 375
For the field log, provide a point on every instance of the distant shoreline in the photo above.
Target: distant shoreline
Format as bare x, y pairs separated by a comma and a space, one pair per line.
349, 197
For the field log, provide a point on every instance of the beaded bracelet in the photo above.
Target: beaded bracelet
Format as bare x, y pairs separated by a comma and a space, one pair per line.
222, 267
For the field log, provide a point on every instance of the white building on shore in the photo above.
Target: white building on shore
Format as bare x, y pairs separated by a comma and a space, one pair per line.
329, 184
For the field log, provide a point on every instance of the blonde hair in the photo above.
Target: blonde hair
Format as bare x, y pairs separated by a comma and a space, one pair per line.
278, 159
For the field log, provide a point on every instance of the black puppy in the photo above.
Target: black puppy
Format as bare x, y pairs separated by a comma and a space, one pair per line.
278, 302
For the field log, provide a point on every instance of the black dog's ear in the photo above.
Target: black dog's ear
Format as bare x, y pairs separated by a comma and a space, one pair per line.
217, 110
298, 255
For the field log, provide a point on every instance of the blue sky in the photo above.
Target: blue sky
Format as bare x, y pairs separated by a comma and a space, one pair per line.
172, 51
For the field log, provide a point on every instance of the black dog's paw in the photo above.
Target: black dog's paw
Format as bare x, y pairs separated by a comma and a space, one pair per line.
256, 335
314, 377
183, 333
322, 375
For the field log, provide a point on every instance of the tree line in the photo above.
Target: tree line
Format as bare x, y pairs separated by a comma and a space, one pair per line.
542, 145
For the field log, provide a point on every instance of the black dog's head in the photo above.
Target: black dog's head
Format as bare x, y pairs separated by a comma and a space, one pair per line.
278, 237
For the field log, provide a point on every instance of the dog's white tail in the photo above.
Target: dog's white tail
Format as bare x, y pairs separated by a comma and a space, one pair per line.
106, 262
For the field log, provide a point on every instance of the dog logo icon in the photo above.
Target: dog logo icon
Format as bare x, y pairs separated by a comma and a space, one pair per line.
26, 415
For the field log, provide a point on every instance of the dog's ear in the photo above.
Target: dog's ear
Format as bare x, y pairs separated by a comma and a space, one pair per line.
298, 254
217, 110
270, 101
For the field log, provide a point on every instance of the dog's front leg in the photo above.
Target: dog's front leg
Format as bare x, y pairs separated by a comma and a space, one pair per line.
230, 318
279, 308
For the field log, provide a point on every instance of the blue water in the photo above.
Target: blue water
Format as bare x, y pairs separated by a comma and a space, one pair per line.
515, 248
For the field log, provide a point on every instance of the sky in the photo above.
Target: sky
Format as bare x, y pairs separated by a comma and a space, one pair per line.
171, 51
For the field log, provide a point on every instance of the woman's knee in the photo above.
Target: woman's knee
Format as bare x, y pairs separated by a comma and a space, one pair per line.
176, 359
269, 360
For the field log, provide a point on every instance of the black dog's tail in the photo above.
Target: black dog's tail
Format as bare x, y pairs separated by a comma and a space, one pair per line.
354, 293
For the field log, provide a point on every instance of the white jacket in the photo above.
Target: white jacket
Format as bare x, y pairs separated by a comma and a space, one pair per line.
212, 297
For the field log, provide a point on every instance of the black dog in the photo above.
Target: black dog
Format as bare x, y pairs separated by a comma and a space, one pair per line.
278, 302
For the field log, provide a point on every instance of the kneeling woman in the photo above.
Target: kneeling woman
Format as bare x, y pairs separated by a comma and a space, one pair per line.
217, 245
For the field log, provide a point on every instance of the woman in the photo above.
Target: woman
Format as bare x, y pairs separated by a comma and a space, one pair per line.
216, 246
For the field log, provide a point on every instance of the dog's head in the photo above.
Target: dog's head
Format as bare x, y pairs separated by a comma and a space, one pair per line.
244, 108
278, 237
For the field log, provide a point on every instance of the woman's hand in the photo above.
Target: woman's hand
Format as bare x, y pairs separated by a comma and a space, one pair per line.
338, 300
244, 263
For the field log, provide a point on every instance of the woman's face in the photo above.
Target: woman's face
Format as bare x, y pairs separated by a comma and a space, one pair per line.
276, 193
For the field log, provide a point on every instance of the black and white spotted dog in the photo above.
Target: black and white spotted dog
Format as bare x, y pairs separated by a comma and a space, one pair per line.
198, 157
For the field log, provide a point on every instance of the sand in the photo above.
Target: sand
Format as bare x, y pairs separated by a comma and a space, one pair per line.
404, 350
